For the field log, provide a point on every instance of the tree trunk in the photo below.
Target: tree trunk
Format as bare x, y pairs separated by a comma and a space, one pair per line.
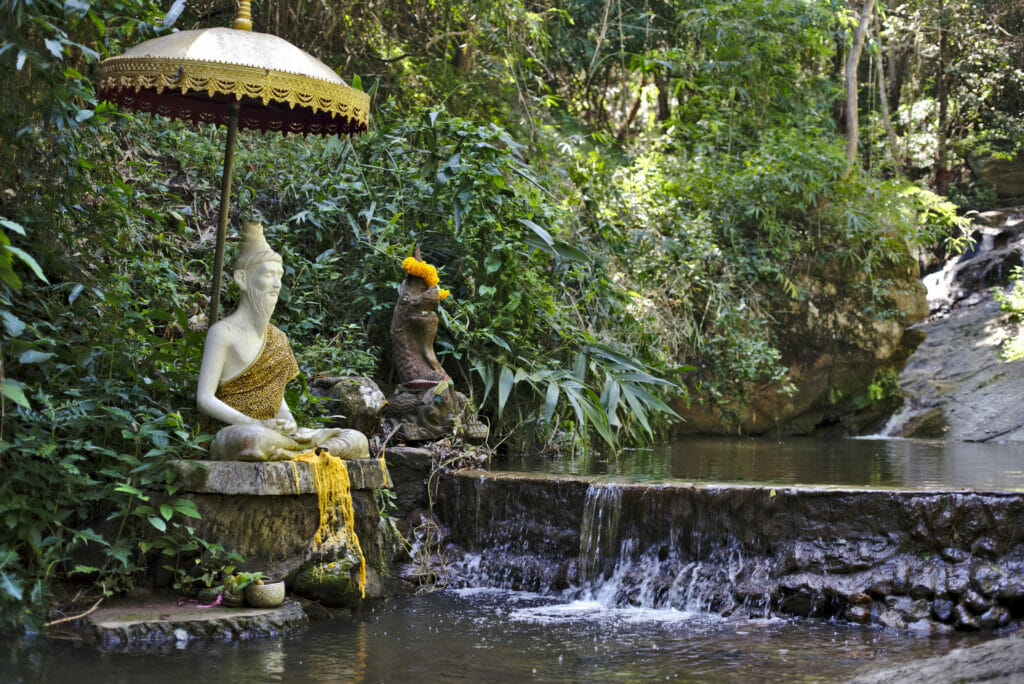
883, 101
852, 60
942, 178
897, 64
663, 84
633, 110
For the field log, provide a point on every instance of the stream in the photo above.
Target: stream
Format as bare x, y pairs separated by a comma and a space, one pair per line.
480, 628
501, 636
889, 463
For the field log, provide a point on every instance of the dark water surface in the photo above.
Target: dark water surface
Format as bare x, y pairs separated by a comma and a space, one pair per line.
865, 462
500, 636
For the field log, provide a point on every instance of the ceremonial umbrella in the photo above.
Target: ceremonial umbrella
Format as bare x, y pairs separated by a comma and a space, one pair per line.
236, 77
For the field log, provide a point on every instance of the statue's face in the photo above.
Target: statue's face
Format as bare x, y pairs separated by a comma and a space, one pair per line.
263, 284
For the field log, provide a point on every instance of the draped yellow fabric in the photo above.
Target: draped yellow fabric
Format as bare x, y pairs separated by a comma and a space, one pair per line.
334, 493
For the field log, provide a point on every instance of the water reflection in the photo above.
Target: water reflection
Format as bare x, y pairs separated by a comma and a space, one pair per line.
501, 636
889, 463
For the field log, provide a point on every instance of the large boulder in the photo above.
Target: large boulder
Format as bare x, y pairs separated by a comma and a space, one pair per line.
1005, 174
843, 348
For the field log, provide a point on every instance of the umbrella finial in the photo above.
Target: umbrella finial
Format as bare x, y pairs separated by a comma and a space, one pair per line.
243, 20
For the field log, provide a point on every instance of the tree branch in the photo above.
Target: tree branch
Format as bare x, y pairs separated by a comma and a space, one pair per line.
76, 617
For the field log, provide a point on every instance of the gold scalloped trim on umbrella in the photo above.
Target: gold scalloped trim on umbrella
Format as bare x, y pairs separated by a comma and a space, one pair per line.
140, 82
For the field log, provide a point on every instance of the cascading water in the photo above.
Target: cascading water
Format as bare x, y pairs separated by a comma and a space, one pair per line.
668, 565
929, 561
599, 534
621, 570
957, 386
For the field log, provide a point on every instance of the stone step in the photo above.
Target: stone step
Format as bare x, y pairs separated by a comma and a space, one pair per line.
271, 478
127, 625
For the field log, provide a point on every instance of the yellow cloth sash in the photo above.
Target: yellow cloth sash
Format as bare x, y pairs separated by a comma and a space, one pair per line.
259, 389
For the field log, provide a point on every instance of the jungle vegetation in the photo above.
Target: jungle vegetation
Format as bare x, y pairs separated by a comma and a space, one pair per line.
613, 192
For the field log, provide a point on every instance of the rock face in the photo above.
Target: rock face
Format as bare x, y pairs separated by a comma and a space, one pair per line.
835, 342
355, 403
1005, 175
1001, 660
957, 386
927, 561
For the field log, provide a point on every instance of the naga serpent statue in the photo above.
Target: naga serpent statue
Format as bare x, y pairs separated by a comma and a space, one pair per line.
424, 406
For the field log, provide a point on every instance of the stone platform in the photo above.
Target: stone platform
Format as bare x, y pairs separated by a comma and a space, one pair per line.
271, 478
269, 512
157, 623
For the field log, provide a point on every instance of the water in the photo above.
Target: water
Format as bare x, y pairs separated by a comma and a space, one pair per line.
866, 462
501, 636
617, 626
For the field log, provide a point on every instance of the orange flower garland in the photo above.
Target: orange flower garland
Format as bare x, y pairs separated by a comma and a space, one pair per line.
422, 269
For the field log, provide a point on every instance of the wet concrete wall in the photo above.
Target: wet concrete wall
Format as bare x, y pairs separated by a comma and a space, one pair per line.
927, 561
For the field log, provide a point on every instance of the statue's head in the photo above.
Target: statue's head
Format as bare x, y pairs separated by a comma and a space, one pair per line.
258, 271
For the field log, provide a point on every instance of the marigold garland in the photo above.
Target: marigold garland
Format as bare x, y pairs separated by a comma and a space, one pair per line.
422, 269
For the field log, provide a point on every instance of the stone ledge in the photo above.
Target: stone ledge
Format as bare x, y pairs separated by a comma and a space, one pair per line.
271, 478
142, 625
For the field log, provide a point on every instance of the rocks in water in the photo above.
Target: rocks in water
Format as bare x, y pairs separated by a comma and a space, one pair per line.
942, 609
860, 614
994, 617
963, 618
805, 602
892, 620
910, 609
975, 601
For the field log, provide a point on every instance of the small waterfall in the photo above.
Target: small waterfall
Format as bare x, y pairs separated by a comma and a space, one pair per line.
619, 570
634, 547
599, 533
946, 370
743, 551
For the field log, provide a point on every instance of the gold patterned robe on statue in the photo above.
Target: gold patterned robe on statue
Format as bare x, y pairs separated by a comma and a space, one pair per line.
258, 392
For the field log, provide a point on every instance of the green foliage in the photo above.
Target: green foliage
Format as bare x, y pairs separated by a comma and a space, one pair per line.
618, 201
97, 356
1012, 302
885, 385
344, 216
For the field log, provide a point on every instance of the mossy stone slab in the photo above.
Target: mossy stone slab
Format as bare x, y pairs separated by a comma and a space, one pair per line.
272, 478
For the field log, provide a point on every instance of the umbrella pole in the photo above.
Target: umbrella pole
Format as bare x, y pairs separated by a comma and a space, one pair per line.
225, 201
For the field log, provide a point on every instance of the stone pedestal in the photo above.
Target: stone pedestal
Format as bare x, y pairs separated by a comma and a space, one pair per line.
269, 512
